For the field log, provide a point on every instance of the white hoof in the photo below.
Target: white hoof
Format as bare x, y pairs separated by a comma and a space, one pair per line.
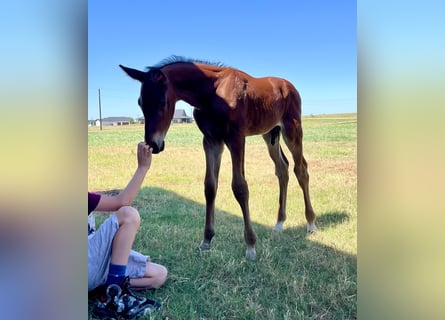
278, 227
311, 228
204, 246
251, 254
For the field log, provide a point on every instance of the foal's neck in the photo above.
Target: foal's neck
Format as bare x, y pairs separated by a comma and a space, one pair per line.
192, 83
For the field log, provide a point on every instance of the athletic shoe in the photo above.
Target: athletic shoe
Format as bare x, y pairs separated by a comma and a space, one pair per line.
118, 301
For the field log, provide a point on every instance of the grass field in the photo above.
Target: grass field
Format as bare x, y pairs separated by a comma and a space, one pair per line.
295, 276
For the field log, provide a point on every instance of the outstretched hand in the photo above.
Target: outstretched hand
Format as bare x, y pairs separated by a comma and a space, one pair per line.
144, 155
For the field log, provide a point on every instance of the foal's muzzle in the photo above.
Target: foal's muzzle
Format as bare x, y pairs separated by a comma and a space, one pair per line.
156, 146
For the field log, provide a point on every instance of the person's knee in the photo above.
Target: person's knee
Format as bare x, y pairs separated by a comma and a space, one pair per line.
159, 275
129, 216
163, 275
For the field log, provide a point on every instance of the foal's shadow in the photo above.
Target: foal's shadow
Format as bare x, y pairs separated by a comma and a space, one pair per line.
331, 218
172, 227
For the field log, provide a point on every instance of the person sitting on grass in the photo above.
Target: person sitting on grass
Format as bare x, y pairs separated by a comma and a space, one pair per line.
113, 267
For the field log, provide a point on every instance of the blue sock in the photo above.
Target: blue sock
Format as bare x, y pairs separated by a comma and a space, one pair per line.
116, 273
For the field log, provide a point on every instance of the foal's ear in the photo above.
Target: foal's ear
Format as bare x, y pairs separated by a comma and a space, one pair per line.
157, 76
133, 73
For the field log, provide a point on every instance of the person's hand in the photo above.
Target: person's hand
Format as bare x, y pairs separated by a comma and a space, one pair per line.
144, 155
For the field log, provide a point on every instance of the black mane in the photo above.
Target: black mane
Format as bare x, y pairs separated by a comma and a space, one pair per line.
180, 59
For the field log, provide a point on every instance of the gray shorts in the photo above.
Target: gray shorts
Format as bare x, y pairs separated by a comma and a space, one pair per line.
99, 255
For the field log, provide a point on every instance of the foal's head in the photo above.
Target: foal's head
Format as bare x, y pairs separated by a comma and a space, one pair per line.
157, 109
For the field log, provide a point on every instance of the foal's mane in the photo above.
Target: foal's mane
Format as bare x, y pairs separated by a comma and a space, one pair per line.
180, 59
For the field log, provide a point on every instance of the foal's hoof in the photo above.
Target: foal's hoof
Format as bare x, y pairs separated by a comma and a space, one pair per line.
311, 228
204, 246
251, 254
278, 227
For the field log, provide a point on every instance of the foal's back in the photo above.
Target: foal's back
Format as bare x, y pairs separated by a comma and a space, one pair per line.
256, 104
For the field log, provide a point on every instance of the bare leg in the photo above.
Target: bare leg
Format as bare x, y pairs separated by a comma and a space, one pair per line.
154, 277
129, 221
213, 152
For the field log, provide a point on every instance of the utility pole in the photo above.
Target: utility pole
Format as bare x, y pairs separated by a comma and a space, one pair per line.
100, 112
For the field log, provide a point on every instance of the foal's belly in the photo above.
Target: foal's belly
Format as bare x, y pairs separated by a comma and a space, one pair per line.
261, 124
261, 128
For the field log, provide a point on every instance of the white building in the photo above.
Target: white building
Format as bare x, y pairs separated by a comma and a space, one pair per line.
114, 121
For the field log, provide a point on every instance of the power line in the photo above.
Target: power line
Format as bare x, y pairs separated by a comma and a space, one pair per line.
100, 112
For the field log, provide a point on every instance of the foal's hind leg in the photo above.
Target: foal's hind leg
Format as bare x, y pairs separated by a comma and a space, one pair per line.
293, 136
240, 190
272, 140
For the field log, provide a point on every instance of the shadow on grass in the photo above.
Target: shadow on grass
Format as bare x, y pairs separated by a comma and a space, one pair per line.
294, 277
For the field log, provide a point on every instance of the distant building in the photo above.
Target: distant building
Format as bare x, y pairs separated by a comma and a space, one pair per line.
114, 121
140, 120
181, 117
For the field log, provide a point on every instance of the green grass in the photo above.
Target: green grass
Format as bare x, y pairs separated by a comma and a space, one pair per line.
295, 276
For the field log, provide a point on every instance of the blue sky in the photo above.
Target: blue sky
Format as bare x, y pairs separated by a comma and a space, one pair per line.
310, 43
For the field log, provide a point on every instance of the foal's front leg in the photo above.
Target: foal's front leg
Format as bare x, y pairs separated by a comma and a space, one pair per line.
213, 152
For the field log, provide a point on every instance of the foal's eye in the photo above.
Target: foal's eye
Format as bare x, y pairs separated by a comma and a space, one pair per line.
161, 102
